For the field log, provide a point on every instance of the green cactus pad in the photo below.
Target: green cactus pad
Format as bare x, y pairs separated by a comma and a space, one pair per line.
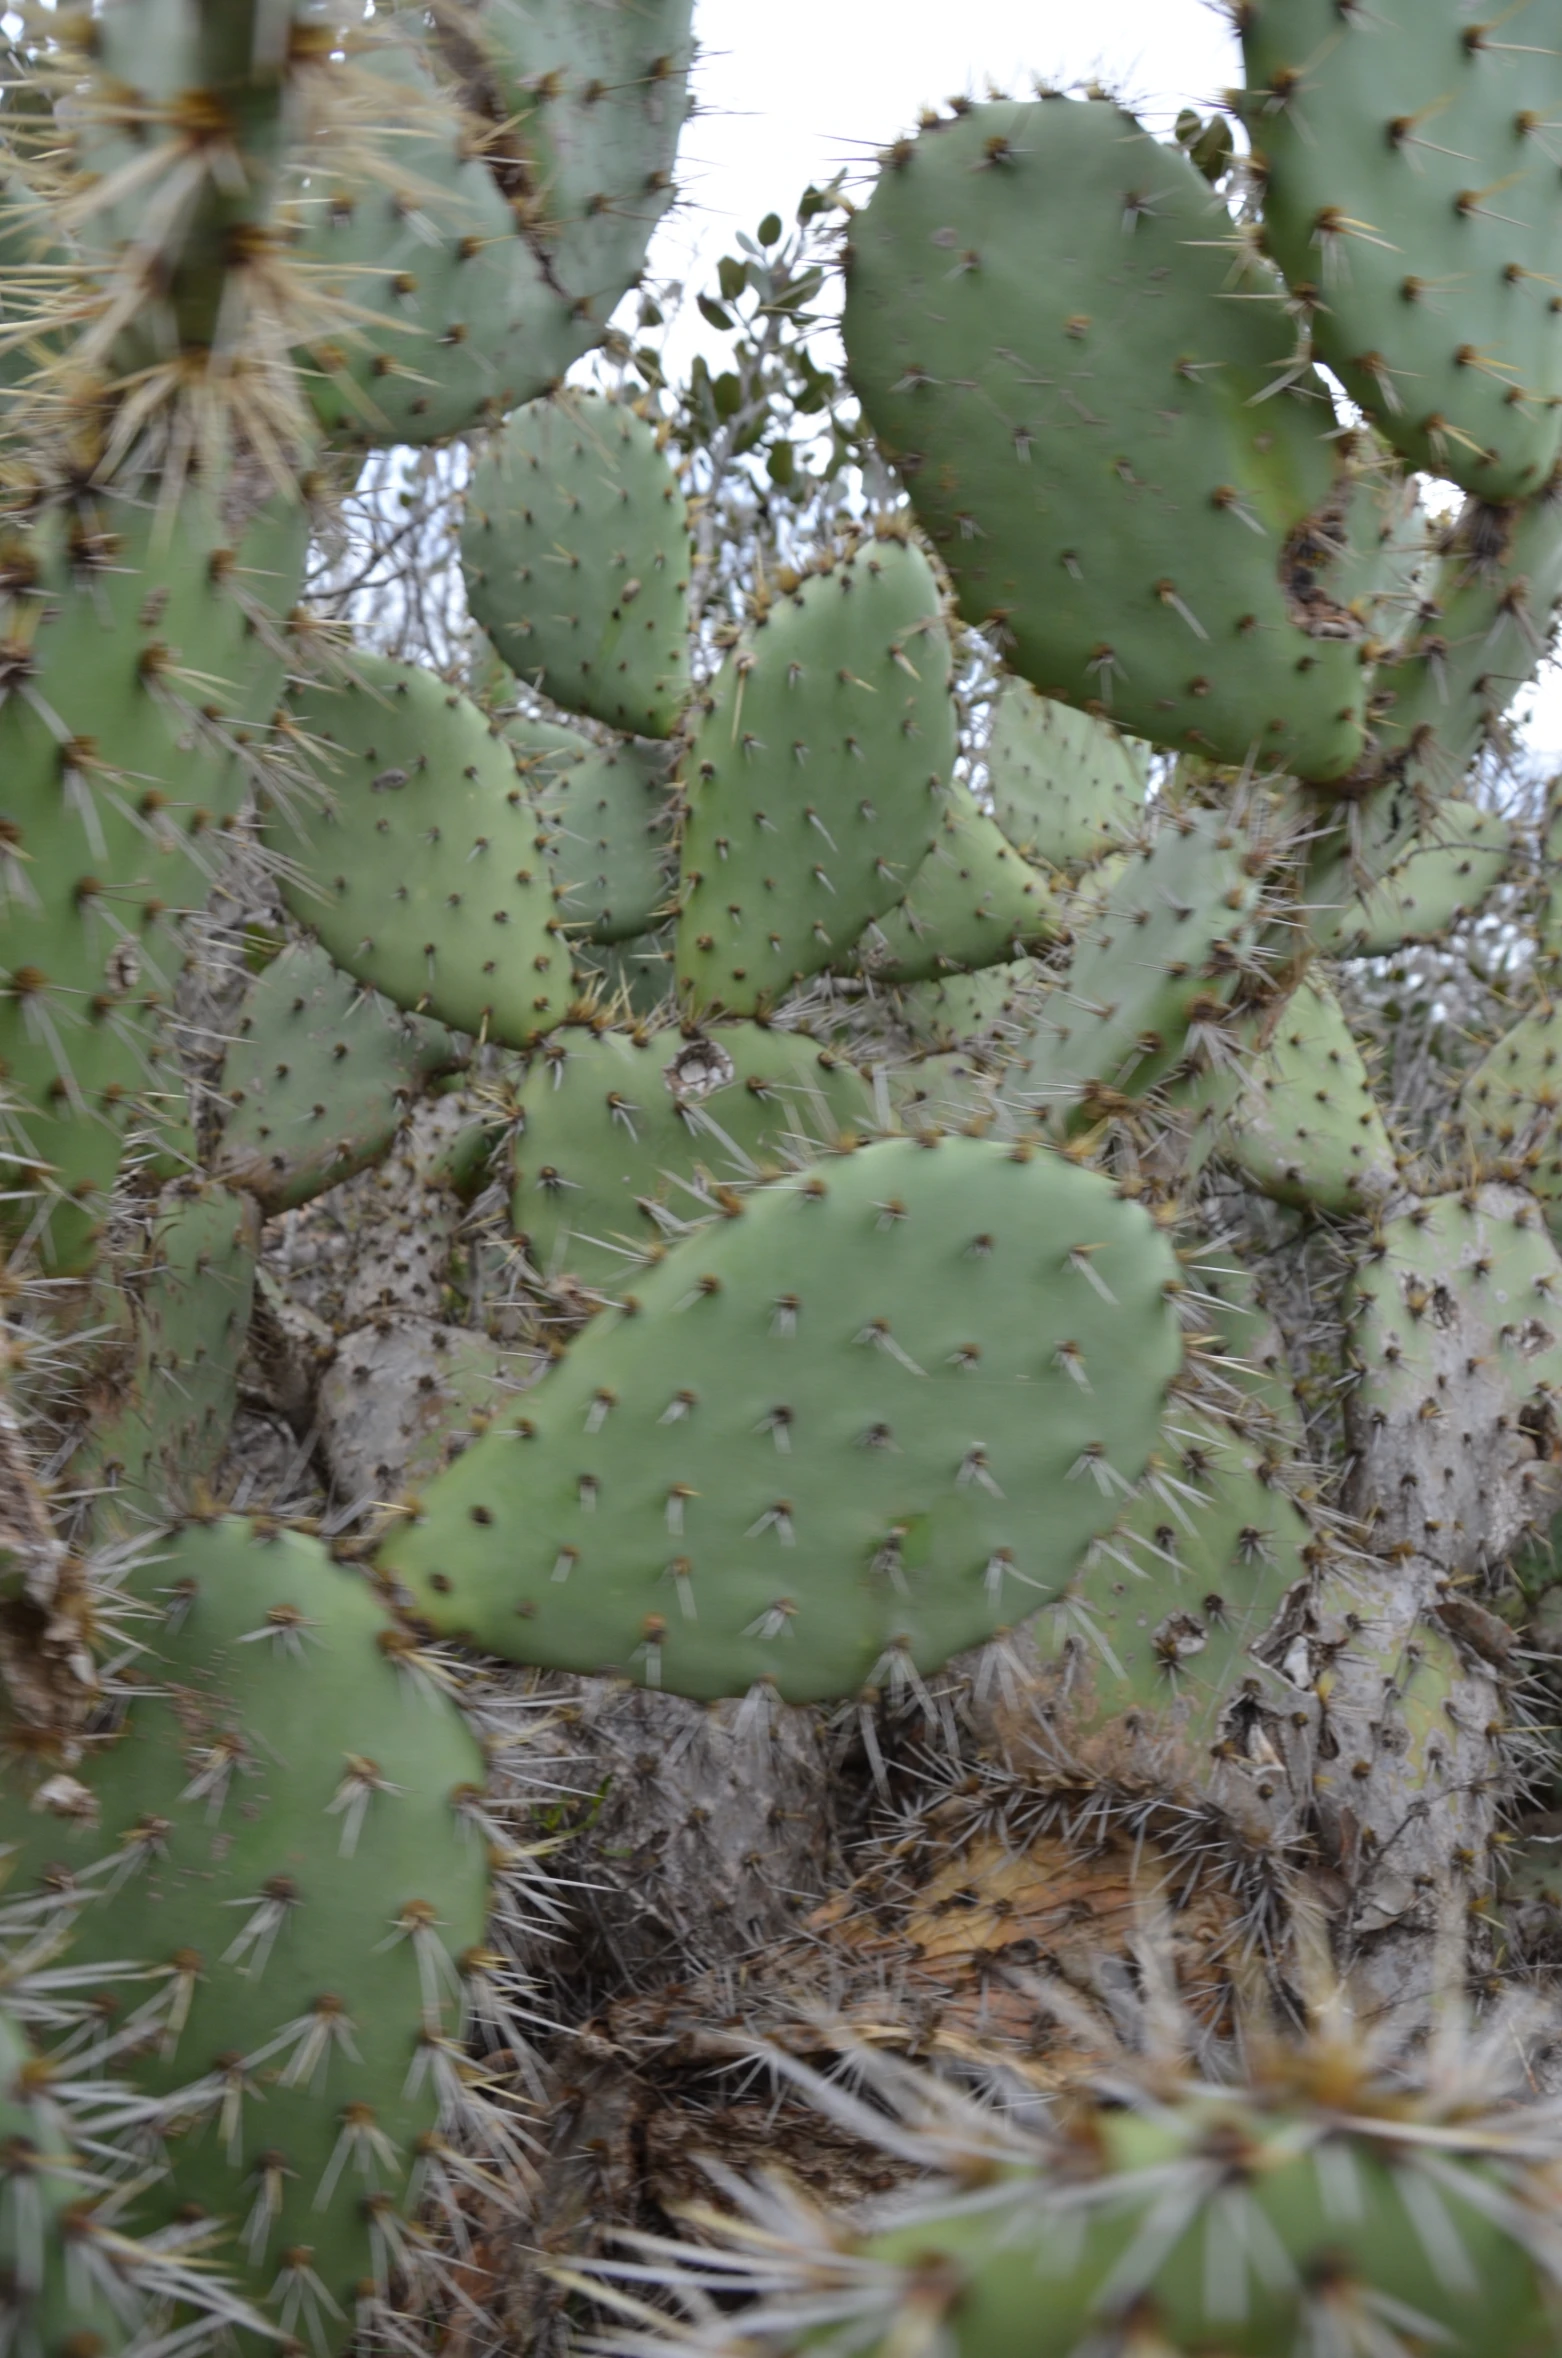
1295, 1111
1480, 637
1386, 876
961, 1009
422, 871
318, 1078
627, 1139
152, 650
1456, 1326
271, 1869
1246, 1341
974, 902
1326, 2207
576, 553
1402, 159
836, 1437
608, 816
815, 778
1066, 787
592, 102
437, 310
1158, 1678
1510, 1109
1081, 424
1160, 956
171, 1387
58, 2297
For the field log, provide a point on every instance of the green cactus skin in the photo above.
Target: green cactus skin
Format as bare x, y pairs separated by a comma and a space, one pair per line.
815, 778
304, 1905
1382, 144
441, 314
423, 873
629, 1138
1310, 2212
974, 902
1247, 1350
591, 104
171, 1387
840, 1432
967, 1009
317, 1080
1480, 633
153, 62
1066, 787
53, 2301
1387, 877
1162, 953
576, 553
1456, 1326
608, 816
1078, 424
1294, 1111
153, 654
1510, 1109
1158, 1683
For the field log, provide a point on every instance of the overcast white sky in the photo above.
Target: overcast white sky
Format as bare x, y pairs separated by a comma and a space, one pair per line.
796, 88
792, 89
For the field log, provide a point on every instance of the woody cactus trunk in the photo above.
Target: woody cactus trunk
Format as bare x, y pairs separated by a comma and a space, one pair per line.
815, 1312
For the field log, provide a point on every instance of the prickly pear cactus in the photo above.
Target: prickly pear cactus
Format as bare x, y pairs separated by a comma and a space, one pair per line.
1135, 547
317, 1080
1339, 110
625, 1140
874, 1193
576, 552
270, 1872
814, 778
826, 1444
1172, 2215
421, 869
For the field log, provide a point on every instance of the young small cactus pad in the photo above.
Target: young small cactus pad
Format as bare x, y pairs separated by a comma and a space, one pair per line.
629, 1138
267, 1863
1066, 787
829, 1442
423, 872
974, 902
1083, 428
1294, 1110
608, 816
318, 1079
1401, 157
1161, 954
1385, 877
576, 553
815, 777
170, 1385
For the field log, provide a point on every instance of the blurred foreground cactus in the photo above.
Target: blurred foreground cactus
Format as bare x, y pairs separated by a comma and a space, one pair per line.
891, 1188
